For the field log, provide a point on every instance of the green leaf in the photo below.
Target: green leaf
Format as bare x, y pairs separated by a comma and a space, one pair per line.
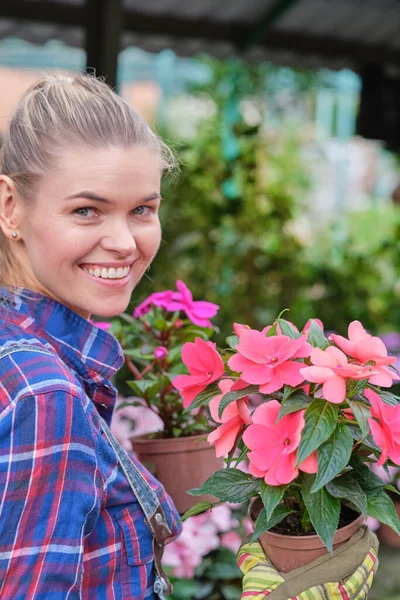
362, 414
273, 330
271, 495
264, 524
184, 589
230, 485
324, 511
232, 341
288, 329
197, 509
381, 507
355, 388
347, 488
204, 397
333, 456
391, 488
321, 418
298, 400
140, 386
316, 336
368, 481
236, 395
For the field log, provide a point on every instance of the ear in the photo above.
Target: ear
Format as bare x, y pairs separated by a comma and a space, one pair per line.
9, 207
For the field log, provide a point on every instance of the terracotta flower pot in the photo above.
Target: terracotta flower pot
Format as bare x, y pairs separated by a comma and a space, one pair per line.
287, 552
180, 464
386, 533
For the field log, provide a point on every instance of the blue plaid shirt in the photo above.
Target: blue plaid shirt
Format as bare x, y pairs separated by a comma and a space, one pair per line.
70, 525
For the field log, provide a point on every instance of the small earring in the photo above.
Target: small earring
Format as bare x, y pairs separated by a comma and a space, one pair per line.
14, 235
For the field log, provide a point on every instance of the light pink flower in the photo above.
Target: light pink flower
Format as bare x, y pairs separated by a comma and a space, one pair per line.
234, 417
268, 361
132, 421
161, 299
199, 312
332, 369
274, 445
199, 536
364, 347
231, 540
204, 365
385, 427
160, 352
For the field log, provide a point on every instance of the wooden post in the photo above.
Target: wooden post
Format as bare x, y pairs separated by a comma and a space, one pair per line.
103, 37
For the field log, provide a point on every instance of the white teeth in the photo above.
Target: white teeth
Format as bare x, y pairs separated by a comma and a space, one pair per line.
111, 273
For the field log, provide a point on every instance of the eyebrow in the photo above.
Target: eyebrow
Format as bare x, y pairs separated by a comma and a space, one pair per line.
91, 196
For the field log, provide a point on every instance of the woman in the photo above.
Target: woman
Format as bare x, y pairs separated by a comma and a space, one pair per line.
79, 198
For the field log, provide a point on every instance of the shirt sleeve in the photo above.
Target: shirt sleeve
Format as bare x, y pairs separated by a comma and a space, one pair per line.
50, 496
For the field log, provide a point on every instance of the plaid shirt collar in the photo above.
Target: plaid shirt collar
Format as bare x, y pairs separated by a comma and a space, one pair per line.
92, 353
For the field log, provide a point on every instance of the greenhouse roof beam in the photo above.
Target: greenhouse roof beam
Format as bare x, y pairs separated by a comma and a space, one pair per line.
271, 17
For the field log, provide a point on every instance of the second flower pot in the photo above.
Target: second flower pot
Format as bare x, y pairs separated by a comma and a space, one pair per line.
180, 464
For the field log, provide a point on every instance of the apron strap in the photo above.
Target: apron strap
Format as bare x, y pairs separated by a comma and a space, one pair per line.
146, 496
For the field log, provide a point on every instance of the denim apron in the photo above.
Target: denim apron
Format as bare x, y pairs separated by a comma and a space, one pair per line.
145, 495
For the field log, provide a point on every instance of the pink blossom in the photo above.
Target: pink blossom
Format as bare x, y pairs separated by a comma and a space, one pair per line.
221, 517
234, 417
161, 299
385, 427
104, 325
231, 540
199, 312
160, 352
132, 421
204, 365
274, 445
332, 369
238, 328
199, 536
267, 361
365, 348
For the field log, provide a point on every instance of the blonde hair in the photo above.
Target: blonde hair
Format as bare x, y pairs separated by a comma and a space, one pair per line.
59, 112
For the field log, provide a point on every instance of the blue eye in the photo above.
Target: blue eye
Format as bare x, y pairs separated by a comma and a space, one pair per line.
144, 210
84, 211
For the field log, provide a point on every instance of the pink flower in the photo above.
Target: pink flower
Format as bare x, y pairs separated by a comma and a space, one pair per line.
204, 365
332, 369
160, 352
161, 299
274, 445
199, 536
104, 325
198, 312
231, 540
365, 347
238, 328
234, 417
385, 427
267, 361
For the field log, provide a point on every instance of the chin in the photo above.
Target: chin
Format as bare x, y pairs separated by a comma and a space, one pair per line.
115, 309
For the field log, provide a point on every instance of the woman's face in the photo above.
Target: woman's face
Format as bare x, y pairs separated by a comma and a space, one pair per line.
93, 228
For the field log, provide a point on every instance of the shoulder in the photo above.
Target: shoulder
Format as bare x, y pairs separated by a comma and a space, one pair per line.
28, 368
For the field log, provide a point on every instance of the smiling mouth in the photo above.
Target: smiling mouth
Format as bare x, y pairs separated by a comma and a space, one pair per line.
107, 273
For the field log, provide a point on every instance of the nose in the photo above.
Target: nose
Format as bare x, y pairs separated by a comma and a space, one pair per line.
119, 238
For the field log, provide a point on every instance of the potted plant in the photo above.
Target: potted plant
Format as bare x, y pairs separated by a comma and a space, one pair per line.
152, 341
302, 455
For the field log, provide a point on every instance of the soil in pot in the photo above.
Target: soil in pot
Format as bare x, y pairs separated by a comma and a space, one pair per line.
180, 464
288, 547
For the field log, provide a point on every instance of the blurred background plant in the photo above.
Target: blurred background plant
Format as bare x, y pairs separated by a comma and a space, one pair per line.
152, 340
